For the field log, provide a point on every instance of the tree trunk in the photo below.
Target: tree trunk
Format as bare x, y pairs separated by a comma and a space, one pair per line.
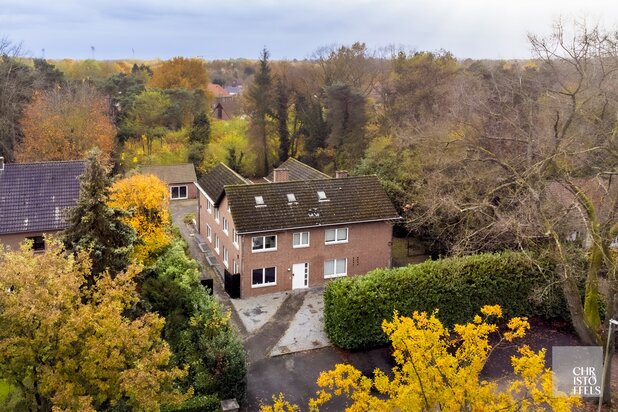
576, 309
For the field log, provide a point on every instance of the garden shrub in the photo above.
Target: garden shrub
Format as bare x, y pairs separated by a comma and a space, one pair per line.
198, 330
354, 308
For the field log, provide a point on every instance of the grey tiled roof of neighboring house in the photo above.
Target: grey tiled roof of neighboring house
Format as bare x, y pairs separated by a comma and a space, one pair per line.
216, 178
298, 171
348, 200
34, 196
182, 173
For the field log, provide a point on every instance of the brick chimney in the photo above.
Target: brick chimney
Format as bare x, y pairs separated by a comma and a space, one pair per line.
281, 175
341, 173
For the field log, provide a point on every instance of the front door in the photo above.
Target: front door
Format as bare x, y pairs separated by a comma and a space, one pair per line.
300, 275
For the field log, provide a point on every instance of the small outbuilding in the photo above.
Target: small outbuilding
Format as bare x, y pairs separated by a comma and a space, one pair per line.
179, 178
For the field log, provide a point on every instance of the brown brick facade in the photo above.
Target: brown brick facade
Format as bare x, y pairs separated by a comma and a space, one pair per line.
368, 246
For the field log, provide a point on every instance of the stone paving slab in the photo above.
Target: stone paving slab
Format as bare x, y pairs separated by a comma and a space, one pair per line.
306, 331
255, 312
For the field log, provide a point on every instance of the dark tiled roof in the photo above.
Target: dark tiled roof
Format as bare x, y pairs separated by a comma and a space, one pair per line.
34, 196
182, 173
219, 176
298, 171
350, 200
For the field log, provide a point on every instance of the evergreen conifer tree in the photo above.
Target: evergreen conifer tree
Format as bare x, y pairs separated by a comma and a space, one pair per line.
96, 227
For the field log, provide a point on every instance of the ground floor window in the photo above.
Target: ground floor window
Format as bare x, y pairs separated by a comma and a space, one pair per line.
335, 267
179, 192
38, 243
263, 277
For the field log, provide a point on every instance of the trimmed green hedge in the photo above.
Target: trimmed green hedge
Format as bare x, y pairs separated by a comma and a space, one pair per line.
354, 308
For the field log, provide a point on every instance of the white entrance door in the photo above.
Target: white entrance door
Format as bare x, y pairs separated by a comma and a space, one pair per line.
300, 275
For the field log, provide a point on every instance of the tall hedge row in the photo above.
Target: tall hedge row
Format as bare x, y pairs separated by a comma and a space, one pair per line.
354, 308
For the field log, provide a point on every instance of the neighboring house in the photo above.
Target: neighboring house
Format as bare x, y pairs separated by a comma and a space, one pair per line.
34, 198
225, 105
179, 178
293, 234
297, 170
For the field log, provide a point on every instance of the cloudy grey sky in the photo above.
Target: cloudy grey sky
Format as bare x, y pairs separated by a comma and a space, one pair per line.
290, 29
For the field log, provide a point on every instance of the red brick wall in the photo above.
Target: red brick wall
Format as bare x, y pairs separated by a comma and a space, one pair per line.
191, 190
368, 247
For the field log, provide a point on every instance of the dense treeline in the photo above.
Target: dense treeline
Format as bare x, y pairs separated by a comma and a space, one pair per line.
476, 155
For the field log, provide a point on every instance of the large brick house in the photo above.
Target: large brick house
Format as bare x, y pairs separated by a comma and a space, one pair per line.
297, 230
34, 198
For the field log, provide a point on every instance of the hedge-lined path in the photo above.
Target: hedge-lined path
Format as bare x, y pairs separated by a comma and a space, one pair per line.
179, 209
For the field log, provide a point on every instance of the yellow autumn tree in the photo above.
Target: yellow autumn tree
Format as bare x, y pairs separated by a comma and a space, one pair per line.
70, 347
146, 197
64, 124
440, 371
180, 72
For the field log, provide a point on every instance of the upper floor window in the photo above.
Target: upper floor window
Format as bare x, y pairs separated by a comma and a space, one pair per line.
335, 267
339, 235
322, 196
225, 257
235, 266
264, 243
259, 201
236, 239
209, 206
216, 243
217, 214
225, 226
300, 239
208, 232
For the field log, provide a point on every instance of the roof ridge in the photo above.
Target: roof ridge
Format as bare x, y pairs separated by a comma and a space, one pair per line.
306, 165
44, 162
237, 174
325, 179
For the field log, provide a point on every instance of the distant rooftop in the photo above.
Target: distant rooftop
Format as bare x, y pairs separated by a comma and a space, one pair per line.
34, 196
171, 174
298, 171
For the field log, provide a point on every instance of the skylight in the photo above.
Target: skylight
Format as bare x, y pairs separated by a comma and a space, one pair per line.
259, 201
322, 196
291, 198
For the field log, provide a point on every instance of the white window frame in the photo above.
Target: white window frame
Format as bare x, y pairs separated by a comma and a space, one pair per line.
178, 187
336, 241
209, 206
226, 257
208, 232
217, 244
300, 236
335, 274
225, 226
264, 249
263, 285
235, 266
236, 239
217, 214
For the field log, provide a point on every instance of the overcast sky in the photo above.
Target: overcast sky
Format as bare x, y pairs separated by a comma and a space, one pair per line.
147, 29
